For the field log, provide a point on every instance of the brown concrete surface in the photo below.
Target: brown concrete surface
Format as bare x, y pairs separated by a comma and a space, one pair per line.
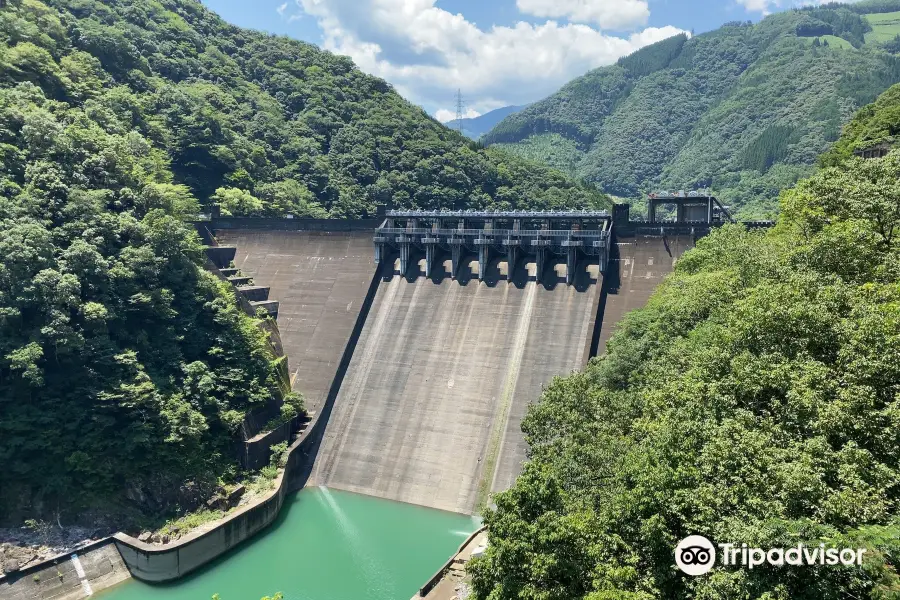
448, 587
430, 408
102, 567
642, 265
319, 280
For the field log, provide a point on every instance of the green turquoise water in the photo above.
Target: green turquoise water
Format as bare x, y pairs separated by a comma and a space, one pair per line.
325, 545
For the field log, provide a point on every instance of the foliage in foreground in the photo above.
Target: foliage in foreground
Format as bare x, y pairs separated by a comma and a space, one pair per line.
125, 368
756, 400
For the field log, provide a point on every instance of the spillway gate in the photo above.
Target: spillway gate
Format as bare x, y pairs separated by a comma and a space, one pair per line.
513, 234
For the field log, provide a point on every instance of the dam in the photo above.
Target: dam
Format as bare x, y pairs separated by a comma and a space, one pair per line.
320, 279
471, 315
430, 410
418, 340
460, 338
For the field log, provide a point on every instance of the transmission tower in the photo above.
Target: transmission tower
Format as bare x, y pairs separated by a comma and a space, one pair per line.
460, 108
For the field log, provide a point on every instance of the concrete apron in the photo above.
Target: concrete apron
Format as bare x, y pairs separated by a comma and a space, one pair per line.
80, 574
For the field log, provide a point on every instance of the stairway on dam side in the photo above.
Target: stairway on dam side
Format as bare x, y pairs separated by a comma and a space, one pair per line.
430, 409
320, 280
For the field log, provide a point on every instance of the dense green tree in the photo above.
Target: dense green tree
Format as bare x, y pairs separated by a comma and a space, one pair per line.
875, 124
756, 399
125, 368
296, 129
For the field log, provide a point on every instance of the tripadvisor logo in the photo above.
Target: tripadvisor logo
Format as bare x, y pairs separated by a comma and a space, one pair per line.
696, 555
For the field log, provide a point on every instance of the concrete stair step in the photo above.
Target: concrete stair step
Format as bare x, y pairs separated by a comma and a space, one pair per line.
270, 306
254, 293
230, 271
221, 256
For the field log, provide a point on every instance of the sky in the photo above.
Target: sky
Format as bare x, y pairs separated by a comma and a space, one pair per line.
496, 52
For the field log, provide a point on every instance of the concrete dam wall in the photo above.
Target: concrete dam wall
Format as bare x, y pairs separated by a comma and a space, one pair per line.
431, 406
429, 409
320, 280
637, 267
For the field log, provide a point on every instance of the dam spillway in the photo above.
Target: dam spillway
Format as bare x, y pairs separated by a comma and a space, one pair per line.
424, 367
431, 407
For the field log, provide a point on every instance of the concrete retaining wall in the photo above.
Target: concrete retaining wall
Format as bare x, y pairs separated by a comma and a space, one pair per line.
150, 562
114, 559
95, 567
436, 578
159, 563
256, 453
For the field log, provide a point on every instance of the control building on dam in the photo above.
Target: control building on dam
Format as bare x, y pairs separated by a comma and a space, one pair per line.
422, 337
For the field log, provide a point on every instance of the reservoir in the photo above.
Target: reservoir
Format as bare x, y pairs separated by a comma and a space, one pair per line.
326, 545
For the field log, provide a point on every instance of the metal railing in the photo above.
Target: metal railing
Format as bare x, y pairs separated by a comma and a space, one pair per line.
502, 233
500, 214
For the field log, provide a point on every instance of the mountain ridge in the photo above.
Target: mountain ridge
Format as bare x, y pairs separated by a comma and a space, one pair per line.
745, 109
475, 127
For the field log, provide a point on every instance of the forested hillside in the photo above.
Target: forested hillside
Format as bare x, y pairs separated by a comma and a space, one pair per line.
263, 125
877, 123
745, 109
755, 400
124, 367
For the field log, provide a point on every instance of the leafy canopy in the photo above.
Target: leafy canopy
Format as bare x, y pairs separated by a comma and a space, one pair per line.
266, 125
125, 367
756, 399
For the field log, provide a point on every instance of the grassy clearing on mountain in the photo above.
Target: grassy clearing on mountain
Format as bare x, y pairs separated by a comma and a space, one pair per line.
832, 42
885, 27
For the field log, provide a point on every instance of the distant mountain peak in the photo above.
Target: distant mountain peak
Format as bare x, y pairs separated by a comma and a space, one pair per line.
476, 127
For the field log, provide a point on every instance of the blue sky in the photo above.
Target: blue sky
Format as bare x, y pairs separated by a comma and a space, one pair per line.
498, 52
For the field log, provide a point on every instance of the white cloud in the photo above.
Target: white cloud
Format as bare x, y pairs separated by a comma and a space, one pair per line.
427, 52
767, 7
620, 14
443, 115
280, 10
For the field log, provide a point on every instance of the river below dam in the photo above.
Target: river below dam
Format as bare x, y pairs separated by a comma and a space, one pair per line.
325, 545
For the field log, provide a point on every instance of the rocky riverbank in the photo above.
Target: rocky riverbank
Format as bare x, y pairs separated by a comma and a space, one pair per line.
24, 546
